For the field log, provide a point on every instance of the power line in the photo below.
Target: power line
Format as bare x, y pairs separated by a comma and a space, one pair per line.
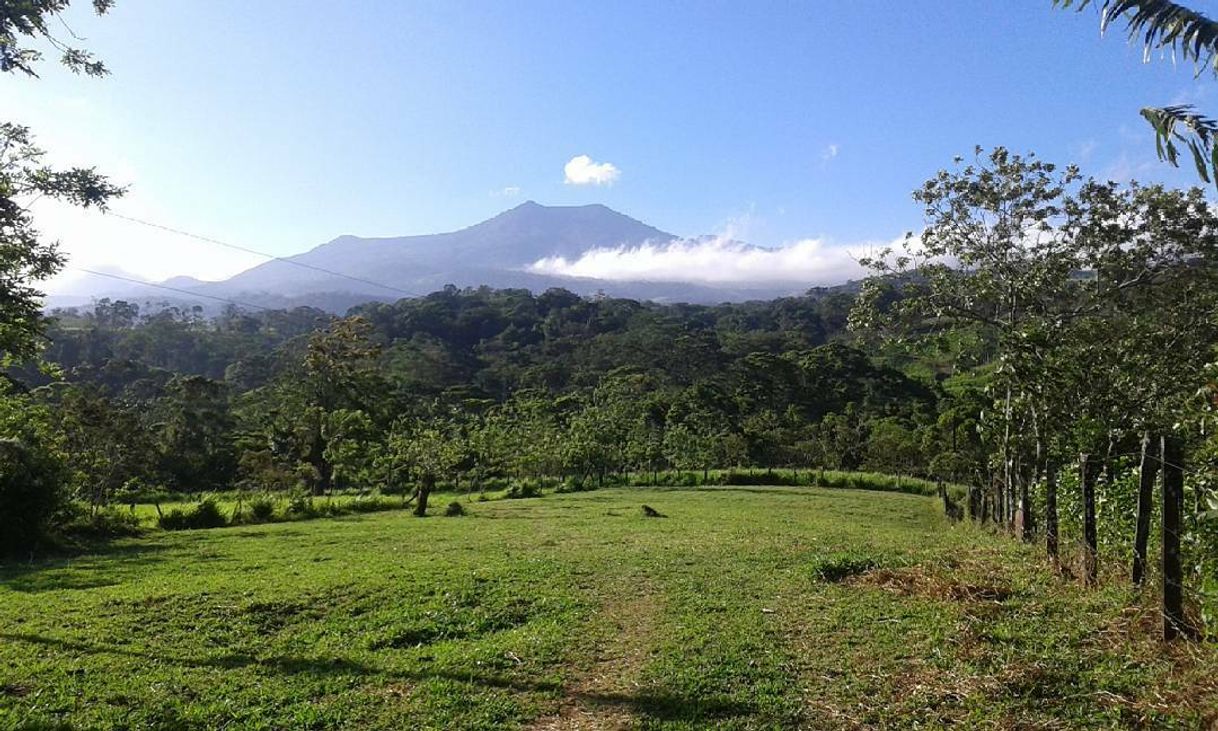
247, 250
170, 289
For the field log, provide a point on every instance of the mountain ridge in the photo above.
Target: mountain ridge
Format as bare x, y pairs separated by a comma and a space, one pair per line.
496, 252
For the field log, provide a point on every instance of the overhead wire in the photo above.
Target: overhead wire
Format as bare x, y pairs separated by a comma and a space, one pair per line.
170, 289
256, 252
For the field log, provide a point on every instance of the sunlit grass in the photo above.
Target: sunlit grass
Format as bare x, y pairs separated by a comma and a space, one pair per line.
746, 607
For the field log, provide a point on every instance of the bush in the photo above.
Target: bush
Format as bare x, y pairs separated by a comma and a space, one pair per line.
840, 566
262, 510
78, 524
207, 515
523, 489
301, 506
33, 473
454, 509
372, 505
204, 515
175, 519
31, 493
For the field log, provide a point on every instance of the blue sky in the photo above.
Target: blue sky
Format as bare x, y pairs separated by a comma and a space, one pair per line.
280, 125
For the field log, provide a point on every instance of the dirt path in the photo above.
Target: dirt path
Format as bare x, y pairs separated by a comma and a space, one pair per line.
602, 692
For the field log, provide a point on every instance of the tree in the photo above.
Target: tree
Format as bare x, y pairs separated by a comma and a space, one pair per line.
840, 439
893, 448
698, 423
32, 19
429, 452
109, 445
25, 259
33, 472
353, 447
339, 370
194, 432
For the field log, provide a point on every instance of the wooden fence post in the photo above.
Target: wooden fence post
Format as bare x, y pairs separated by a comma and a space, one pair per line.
1147, 472
1090, 538
1174, 623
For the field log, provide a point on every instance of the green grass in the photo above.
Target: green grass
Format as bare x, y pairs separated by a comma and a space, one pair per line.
744, 608
235, 507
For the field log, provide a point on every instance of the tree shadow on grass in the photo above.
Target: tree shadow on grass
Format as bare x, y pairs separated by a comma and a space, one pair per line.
107, 566
293, 665
660, 705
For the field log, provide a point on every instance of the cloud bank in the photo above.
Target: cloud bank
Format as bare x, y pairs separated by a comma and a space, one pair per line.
581, 170
715, 260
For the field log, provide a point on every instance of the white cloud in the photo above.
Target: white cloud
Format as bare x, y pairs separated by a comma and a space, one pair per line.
829, 152
581, 170
510, 191
717, 260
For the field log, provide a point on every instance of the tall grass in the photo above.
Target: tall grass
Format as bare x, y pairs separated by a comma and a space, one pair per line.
791, 478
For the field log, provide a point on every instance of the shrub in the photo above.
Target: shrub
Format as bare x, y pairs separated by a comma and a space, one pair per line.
454, 509
371, 505
301, 506
204, 515
207, 515
262, 510
33, 473
840, 566
574, 486
175, 519
31, 492
78, 524
523, 489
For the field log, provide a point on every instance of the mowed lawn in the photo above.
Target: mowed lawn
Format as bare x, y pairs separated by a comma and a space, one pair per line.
743, 608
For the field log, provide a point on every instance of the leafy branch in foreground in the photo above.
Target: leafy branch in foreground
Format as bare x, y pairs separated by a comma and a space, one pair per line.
24, 258
1199, 133
1166, 25
30, 18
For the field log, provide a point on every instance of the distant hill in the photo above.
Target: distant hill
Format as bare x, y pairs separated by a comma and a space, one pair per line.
494, 253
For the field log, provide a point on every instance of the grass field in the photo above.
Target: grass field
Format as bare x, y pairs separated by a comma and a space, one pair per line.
744, 608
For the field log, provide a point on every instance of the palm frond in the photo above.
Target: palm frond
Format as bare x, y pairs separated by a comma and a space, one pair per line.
1160, 24
1183, 124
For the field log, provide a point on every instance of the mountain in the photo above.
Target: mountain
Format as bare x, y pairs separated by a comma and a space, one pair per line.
495, 253
491, 252
182, 282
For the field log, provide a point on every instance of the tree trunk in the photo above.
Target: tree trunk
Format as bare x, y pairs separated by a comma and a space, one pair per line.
425, 488
1174, 623
1146, 492
325, 470
1000, 502
1006, 459
1090, 538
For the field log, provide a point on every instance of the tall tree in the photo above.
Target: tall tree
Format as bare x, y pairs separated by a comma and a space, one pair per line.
25, 258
